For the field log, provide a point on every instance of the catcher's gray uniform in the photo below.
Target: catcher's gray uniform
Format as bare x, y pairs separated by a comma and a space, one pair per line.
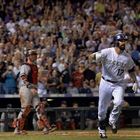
29, 96
26, 96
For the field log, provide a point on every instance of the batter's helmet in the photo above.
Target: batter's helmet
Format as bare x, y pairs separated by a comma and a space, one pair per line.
118, 37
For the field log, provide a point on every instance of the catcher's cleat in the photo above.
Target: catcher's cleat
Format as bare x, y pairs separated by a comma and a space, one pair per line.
17, 132
113, 127
103, 135
53, 127
23, 132
49, 130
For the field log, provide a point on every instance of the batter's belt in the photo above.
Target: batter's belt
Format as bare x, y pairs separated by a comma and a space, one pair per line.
109, 80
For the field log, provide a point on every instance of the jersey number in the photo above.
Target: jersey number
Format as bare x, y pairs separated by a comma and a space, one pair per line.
120, 72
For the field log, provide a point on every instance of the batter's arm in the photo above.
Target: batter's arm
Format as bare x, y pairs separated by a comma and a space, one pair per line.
133, 76
95, 56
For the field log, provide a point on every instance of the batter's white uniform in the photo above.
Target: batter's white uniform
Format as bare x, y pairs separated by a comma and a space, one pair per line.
112, 84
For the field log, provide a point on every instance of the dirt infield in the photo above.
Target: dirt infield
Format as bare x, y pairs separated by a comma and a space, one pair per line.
121, 133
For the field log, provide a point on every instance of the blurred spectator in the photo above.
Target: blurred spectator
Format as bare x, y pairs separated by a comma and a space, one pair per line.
11, 116
93, 87
64, 118
91, 117
53, 83
104, 44
2, 79
76, 115
85, 88
65, 75
71, 89
91, 44
61, 64
89, 73
42, 77
128, 46
135, 54
77, 77
16, 67
10, 81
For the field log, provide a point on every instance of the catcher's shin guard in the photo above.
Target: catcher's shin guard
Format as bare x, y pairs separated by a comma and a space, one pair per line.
26, 111
41, 108
44, 119
40, 124
21, 118
21, 123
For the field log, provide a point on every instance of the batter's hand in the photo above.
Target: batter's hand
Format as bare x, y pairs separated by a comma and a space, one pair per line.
135, 87
91, 56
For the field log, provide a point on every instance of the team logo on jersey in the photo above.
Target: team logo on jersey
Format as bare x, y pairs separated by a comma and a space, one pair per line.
121, 64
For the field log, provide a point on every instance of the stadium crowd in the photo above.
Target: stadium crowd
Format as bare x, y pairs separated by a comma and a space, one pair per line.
64, 33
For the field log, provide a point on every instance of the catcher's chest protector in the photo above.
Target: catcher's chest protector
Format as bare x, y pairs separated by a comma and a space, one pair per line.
33, 74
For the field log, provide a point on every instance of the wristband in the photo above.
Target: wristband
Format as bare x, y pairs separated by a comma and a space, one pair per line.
135, 81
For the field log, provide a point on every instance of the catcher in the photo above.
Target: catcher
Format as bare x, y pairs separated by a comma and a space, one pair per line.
29, 97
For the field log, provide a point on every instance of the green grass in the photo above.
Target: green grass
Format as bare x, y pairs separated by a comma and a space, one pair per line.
131, 134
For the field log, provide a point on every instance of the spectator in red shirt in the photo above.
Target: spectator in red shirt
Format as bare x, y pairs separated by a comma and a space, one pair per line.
77, 77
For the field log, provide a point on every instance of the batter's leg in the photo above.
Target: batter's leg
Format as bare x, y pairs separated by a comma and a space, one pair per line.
118, 95
105, 94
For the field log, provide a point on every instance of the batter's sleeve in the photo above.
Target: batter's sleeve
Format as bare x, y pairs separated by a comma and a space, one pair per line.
100, 55
130, 64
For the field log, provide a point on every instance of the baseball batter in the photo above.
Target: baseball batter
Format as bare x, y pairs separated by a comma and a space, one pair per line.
29, 96
115, 61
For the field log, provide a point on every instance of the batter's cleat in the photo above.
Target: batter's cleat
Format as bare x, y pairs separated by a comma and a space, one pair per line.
103, 135
113, 127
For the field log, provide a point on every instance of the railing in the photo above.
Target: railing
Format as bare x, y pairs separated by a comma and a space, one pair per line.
81, 109
66, 95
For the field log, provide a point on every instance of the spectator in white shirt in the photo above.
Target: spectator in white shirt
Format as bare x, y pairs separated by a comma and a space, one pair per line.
71, 89
105, 43
10, 26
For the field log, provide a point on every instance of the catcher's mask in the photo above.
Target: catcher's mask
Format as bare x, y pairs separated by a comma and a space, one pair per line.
120, 37
32, 55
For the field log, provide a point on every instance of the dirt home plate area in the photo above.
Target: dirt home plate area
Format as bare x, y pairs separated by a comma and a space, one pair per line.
92, 133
